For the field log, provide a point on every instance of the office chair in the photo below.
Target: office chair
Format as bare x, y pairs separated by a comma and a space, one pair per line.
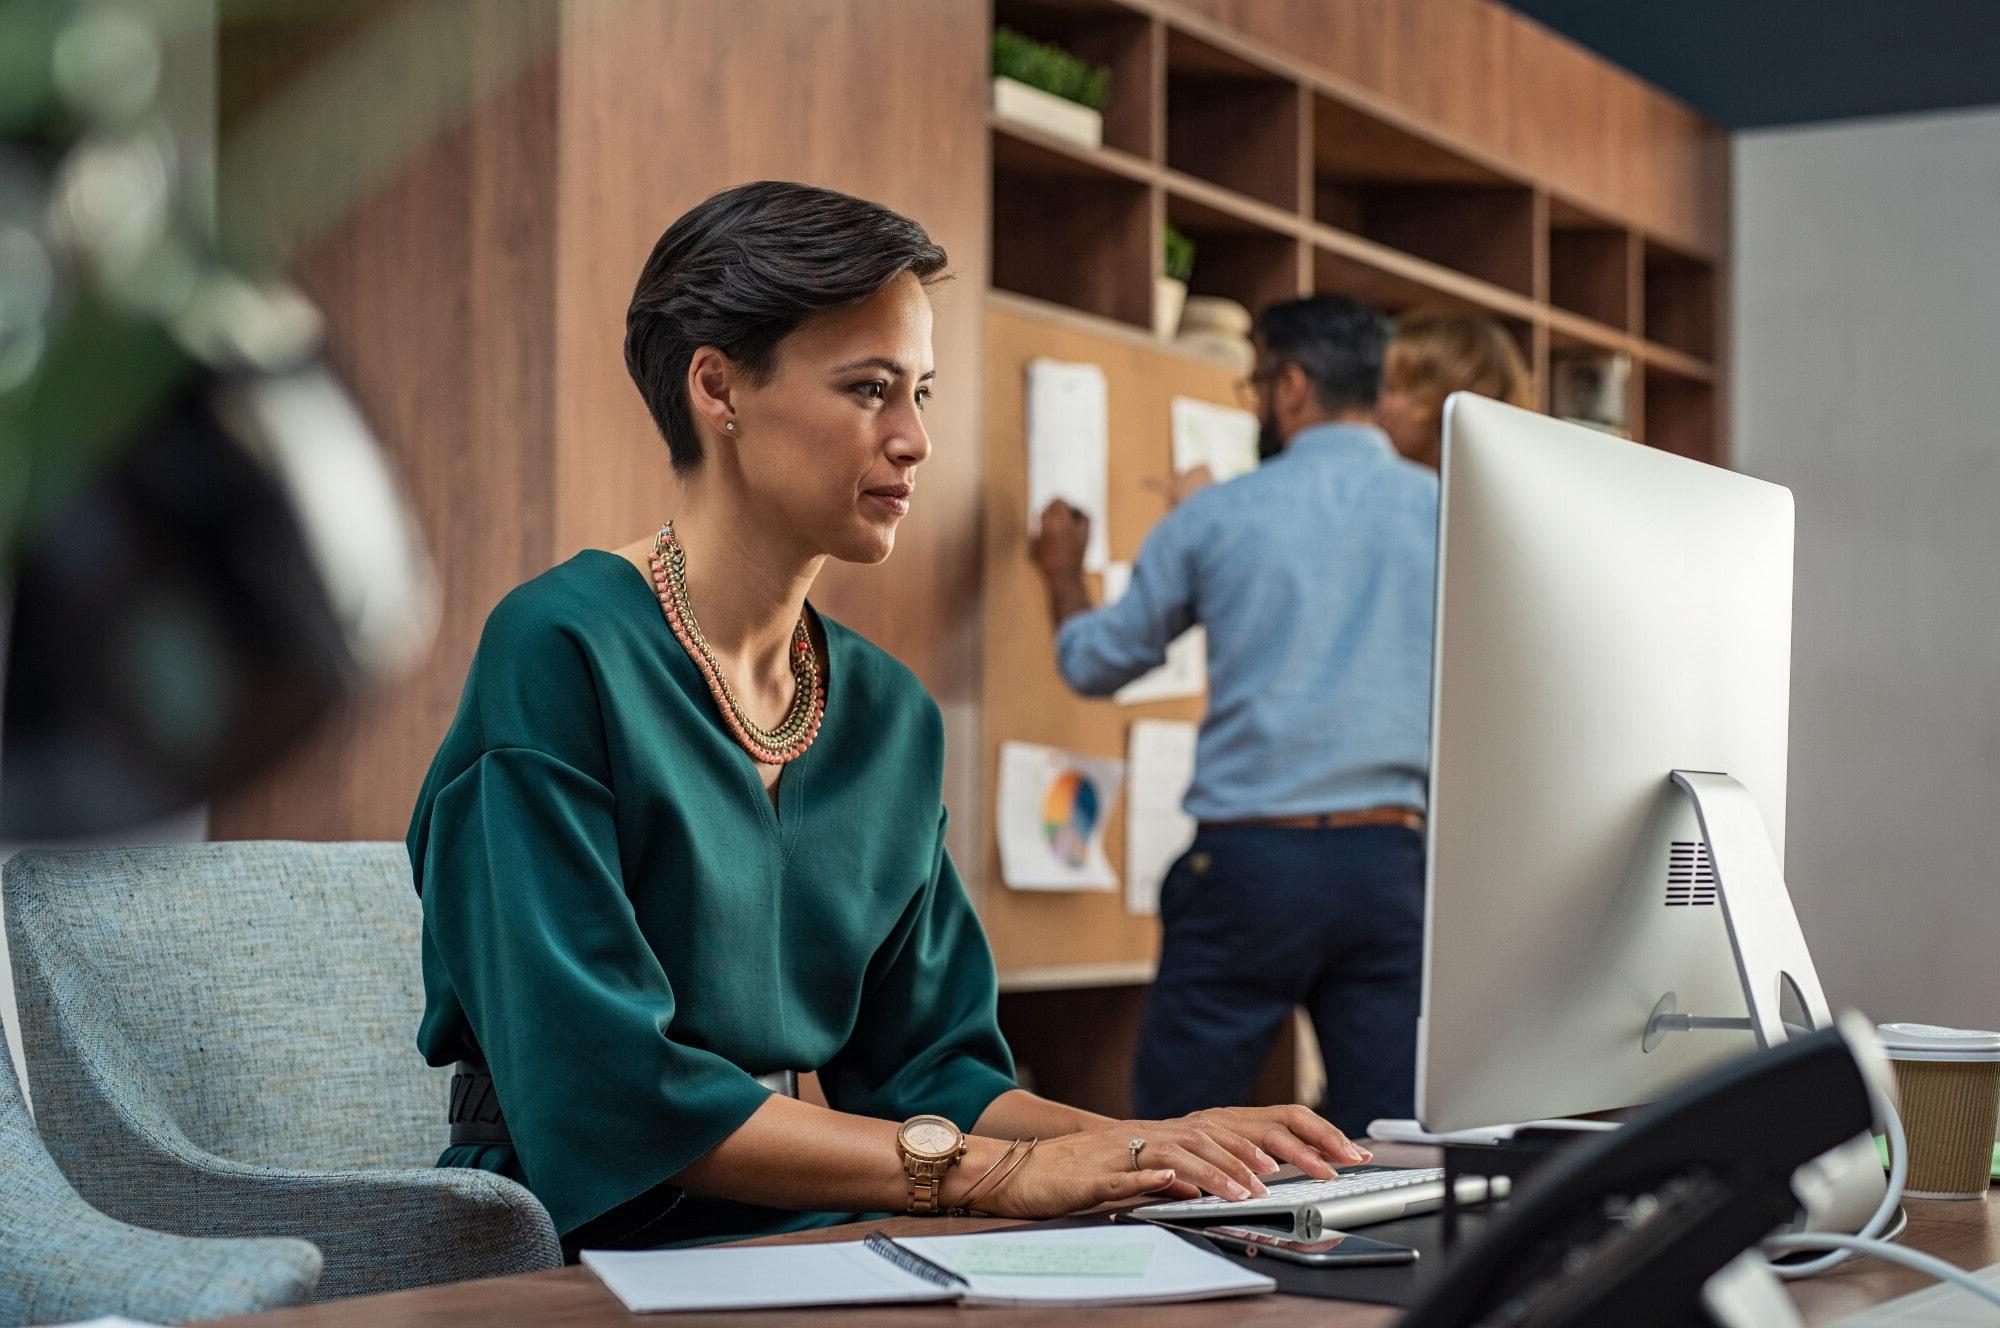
222, 1043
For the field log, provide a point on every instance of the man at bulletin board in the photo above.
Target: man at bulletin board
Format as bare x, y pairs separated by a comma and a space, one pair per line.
1313, 576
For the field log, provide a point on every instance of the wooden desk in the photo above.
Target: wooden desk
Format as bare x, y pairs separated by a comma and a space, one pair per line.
1966, 1234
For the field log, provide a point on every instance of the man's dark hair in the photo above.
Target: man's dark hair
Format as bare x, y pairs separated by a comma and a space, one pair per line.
742, 271
1337, 342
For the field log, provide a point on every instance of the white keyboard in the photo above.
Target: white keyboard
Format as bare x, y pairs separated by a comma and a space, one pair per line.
1361, 1196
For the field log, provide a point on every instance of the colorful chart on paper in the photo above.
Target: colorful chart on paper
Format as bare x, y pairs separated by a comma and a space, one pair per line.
1052, 809
1069, 814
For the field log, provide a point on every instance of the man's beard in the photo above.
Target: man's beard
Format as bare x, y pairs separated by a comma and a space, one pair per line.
1269, 441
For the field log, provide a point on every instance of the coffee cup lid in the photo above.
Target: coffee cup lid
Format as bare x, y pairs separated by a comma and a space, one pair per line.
1929, 1042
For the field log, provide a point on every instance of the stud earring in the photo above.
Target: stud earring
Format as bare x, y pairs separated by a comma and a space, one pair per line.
730, 425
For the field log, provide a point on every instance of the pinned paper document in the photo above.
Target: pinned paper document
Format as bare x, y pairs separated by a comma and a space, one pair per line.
1205, 434
1184, 672
1159, 768
1053, 806
1069, 449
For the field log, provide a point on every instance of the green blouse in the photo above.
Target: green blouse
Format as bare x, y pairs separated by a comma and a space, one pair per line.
618, 921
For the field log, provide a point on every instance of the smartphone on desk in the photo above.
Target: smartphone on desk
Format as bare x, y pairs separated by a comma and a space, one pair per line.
1331, 1249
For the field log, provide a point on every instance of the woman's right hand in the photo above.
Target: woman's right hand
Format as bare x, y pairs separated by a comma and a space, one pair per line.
1215, 1153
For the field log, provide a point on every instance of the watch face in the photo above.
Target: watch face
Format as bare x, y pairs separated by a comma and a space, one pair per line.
930, 1138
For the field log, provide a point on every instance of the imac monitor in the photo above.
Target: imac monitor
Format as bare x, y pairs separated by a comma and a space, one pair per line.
1607, 614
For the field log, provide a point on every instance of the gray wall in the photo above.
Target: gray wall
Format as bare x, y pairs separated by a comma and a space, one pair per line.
1867, 378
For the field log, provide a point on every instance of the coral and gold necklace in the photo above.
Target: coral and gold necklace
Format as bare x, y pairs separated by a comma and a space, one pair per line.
796, 731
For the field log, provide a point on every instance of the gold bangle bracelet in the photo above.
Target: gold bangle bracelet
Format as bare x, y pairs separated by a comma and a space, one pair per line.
964, 1205
1008, 1174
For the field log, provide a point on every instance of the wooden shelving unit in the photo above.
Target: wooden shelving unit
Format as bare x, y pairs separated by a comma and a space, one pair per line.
1292, 182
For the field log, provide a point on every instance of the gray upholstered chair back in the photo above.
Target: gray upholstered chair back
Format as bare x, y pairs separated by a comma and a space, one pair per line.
270, 990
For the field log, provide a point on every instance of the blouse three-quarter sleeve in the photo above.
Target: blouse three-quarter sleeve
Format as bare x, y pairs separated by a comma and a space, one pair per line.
928, 1037
526, 918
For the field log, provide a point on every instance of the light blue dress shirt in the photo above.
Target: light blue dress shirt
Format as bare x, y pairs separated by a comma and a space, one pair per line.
1315, 578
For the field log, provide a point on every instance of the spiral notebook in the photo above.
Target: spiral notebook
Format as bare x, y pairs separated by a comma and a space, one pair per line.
1109, 1266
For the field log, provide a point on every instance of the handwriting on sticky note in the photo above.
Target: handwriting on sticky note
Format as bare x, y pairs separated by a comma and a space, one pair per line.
995, 1256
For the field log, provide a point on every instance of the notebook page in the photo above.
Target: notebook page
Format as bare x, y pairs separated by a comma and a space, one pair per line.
770, 1277
1122, 1265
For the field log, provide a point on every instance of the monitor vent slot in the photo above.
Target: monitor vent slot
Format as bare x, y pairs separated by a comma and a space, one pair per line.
1690, 875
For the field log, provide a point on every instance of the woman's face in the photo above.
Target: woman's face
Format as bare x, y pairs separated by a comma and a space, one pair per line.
829, 444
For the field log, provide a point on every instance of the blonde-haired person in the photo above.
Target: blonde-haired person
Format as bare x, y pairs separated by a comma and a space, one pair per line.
1433, 354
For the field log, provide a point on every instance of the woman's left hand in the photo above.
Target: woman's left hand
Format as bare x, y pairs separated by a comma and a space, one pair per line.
1260, 1138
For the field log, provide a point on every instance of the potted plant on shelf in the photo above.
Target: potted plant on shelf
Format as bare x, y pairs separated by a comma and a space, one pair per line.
1044, 87
1170, 287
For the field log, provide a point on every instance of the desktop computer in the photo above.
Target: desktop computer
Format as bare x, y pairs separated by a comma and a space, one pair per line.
1608, 614
1606, 911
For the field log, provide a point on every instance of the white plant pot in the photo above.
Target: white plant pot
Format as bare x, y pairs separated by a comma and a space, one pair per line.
1016, 101
1169, 296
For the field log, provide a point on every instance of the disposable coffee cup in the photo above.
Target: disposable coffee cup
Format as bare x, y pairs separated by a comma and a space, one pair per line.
1949, 1081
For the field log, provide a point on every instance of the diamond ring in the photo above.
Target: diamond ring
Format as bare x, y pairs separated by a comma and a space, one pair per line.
1132, 1147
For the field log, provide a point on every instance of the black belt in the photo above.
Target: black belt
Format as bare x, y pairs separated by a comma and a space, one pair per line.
474, 1110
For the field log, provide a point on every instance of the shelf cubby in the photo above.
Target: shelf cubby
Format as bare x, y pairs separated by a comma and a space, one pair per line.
1590, 267
1072, 228
1101, 32
1344, 264
1232, 123
1379, 181
1235, 254
1679, 414
1680, 301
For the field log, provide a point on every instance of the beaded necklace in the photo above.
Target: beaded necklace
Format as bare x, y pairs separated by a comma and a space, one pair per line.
796, 731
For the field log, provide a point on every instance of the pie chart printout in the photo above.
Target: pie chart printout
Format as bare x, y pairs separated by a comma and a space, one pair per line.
1069, 815
1052, 811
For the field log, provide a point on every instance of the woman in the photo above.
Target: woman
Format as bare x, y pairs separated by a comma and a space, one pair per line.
685, 831
1433, 354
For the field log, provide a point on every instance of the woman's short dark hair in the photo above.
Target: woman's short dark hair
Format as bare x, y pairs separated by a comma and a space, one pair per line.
742, 271
1337, 343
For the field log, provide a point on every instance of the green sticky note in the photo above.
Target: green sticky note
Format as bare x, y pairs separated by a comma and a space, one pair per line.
996, 1256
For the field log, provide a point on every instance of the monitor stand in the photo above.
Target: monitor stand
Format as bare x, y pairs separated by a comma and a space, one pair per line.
1840, 1189
1772, 961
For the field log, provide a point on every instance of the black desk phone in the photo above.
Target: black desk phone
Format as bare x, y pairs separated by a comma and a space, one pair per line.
1625, 1231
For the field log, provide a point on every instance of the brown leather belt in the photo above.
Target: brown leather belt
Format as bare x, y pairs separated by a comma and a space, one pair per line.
1407, 817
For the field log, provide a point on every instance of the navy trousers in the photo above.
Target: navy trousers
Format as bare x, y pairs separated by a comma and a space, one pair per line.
1256, 921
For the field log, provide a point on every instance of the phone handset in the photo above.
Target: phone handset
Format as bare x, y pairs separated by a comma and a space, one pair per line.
1629, 1228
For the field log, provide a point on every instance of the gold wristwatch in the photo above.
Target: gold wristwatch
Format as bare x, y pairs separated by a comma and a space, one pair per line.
931, 1147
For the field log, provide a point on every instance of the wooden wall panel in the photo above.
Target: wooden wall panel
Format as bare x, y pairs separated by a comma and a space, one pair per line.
1481, 73
478, 304
436, 291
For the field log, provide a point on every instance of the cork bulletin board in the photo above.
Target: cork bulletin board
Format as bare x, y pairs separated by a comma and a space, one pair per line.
1041, 937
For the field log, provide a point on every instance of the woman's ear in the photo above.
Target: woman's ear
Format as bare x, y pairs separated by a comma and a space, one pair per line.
711, 384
